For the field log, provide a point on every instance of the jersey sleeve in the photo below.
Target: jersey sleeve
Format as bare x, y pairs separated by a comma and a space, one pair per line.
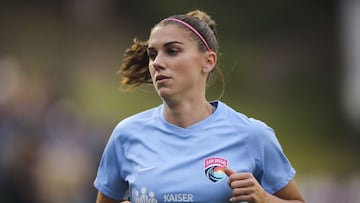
274, 169
109, 180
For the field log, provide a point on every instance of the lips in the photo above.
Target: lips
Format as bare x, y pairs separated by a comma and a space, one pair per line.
160, 78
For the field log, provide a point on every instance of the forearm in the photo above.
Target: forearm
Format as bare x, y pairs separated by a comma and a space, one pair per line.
274, 199
101, 198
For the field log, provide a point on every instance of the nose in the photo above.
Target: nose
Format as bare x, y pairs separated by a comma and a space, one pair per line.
158, 62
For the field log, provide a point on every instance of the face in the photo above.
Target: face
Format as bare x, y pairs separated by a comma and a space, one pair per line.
177, 66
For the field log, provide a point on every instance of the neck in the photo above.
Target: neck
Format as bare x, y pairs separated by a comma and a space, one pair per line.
185, 114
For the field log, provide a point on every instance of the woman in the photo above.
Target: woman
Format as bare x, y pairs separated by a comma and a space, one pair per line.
189, 149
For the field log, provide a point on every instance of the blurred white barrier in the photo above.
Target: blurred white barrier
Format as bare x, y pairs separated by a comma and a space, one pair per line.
329, 189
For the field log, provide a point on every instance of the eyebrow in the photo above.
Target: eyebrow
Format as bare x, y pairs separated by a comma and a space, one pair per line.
171, 43
168, 44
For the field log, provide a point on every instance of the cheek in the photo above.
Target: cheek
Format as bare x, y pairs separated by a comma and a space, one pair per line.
189, 74
183, 69
190, 67
151, 71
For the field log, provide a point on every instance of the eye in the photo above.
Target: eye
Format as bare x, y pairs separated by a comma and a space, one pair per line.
172, 51
152, 54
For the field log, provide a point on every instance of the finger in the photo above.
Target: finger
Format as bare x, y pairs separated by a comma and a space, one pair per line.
242, 191
242, 176
228, 171
242, 198
242, 184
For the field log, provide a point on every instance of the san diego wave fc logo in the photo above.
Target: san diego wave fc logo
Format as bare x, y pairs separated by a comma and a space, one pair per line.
214, 168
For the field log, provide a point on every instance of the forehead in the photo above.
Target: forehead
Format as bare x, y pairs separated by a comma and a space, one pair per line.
170, 32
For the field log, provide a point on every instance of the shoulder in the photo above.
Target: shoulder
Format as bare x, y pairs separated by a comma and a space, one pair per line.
238, 118
136, 122
254, 129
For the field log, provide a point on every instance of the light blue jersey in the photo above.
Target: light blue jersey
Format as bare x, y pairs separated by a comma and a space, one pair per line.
153, 161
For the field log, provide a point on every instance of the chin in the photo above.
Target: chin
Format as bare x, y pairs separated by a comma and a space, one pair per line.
164, 93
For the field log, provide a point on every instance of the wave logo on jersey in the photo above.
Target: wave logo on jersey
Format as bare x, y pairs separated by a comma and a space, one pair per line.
214, 168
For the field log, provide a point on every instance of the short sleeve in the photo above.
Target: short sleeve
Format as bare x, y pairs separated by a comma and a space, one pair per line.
275, 170
109, 180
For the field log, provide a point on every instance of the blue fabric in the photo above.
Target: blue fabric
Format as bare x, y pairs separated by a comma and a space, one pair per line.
159, 162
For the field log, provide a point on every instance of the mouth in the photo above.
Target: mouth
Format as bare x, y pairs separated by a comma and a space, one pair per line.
161, 78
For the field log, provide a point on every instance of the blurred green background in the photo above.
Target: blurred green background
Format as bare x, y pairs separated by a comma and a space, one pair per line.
60, 96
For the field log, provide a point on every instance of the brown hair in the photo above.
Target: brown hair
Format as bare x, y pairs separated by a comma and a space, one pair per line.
134, 68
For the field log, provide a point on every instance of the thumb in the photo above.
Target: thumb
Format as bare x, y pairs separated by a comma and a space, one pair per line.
228, 171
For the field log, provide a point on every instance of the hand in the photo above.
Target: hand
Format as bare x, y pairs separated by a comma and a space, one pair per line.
245, 187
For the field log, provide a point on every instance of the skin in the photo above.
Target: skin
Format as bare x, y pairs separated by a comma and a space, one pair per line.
246, 188
179, 72
101, 198
175, 57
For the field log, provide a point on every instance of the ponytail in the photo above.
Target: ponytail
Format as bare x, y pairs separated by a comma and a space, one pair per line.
134, 67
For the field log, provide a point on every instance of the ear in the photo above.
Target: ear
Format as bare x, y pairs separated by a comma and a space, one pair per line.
210, 59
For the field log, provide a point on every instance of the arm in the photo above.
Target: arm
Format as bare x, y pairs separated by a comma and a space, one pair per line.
101, 198
246, 188
289, 192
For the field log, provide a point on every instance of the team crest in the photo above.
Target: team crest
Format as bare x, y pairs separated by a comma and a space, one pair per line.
214, 168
